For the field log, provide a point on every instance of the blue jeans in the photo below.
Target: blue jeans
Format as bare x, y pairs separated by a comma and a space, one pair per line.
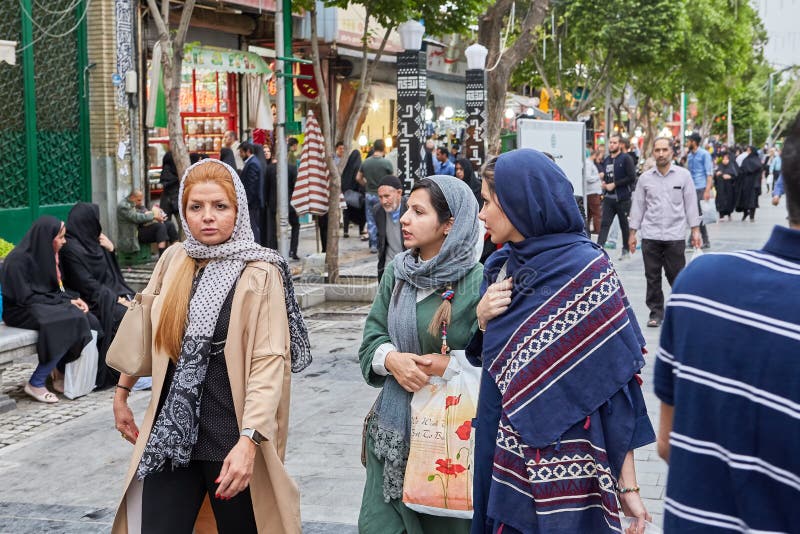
371, 201
42, 371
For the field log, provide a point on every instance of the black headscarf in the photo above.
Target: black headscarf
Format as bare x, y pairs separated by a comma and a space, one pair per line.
226, 156
471, 179
83, 247
169, 173
350, 171
35, 256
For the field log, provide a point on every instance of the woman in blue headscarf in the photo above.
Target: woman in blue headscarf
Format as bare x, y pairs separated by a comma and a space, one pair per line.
560, 407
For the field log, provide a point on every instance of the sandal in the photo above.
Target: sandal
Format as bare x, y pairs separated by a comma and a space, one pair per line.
47, 398
654, 323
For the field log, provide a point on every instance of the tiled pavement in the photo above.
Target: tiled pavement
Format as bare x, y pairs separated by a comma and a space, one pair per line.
72, 450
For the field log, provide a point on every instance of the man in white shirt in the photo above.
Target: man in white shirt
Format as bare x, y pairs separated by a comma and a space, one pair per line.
664, 199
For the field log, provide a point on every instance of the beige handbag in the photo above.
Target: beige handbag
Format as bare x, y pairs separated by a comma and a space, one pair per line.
131, 351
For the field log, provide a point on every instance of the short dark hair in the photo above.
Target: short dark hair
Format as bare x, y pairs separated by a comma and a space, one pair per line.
790, 167
694, 136
339, 143
246, 146
379, 145
292, 141
441, 149
626, 141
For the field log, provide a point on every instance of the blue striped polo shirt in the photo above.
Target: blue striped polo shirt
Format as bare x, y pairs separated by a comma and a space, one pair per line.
729, 363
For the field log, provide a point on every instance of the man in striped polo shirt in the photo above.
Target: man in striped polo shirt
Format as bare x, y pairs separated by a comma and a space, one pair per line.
728, 376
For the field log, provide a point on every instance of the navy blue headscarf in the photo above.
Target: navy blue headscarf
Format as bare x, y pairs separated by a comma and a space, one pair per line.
548, 267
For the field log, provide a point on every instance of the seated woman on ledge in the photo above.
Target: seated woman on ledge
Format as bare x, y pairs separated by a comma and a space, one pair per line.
34, 297
91, 269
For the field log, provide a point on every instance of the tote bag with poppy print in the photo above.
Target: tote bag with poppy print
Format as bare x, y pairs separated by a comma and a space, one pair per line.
440, 464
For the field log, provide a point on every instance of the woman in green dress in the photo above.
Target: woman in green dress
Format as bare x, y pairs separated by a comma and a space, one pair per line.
436, 280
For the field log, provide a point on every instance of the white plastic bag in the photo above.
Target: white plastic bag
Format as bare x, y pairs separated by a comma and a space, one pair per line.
697, 252
440, 468
80, 375
649, 528
709, 209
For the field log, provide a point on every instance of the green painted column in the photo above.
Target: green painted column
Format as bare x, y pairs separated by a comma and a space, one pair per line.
29, 86
83, 103
292, 127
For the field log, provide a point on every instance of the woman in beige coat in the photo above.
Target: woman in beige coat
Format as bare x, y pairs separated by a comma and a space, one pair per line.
227, 332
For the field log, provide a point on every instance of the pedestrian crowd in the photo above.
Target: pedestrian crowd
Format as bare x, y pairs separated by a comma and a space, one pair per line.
540, 310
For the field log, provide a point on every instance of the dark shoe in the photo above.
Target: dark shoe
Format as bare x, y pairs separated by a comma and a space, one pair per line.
293, 256
345, 235
654, 323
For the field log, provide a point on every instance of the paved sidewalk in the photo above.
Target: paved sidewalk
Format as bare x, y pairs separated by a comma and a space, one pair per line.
63, 465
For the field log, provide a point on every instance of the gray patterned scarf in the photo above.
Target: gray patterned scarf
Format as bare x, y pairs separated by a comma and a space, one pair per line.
391, 427
175, 431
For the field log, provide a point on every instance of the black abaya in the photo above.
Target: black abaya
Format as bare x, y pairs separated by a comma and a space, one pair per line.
726, 196
93, 272
349, 183
471, 179
748, 183
33, 298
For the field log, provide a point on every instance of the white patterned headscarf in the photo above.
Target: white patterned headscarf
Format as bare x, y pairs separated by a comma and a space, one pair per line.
176, 428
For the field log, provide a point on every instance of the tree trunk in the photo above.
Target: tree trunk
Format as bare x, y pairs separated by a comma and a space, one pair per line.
502, 60
172, 61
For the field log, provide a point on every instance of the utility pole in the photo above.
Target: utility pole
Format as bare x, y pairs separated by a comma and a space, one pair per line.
281, 150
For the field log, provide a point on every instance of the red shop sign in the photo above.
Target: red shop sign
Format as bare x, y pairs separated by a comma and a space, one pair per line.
308, 88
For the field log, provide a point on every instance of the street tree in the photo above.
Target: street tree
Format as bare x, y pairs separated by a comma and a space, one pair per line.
171, 43
441, 17
584, 46
507, 29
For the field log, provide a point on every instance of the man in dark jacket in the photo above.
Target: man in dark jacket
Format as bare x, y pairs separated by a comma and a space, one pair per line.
387, 220
252, 179
618, 176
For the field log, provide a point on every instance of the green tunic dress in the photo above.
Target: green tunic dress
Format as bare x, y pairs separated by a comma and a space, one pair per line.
377, 516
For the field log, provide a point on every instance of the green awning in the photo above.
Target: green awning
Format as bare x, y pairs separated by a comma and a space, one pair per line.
223, 60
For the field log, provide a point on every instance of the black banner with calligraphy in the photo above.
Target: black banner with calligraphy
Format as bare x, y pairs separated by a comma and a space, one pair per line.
411, 87
475, 142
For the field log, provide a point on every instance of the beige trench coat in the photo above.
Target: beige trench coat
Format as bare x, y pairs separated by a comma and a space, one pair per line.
259, 367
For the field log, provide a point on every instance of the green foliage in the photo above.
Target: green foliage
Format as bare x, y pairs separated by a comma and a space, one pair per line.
5, 248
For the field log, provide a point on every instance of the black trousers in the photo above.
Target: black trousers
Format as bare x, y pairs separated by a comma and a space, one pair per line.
294, 223
172, 499
703, 229
155, 232
657, 255
322, 223
255, 222
615, 208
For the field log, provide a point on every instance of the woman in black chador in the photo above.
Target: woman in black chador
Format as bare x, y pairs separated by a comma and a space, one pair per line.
724, 183
34, 297
748, 185
90, 268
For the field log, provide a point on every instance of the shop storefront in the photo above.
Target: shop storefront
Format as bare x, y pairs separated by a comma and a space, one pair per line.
210, 102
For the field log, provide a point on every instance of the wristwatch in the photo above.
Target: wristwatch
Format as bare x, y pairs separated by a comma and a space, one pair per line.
253, 435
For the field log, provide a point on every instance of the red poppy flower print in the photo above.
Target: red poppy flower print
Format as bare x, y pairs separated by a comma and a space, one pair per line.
452, 400
447, 467
463, 432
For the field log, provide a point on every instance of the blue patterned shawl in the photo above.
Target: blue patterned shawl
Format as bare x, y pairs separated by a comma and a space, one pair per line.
566, 345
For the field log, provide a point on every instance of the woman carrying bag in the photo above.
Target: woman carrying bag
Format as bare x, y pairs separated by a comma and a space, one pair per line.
436, 280
560, 408
227, 332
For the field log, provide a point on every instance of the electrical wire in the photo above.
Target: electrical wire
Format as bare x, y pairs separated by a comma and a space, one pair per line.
504, 39
46, 33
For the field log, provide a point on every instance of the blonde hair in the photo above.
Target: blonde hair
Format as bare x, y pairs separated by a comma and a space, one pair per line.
175, 312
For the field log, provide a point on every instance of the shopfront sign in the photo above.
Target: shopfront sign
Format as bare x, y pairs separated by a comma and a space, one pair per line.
411, 89
223, 60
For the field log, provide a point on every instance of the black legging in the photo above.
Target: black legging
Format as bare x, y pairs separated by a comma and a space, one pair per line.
171, 500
